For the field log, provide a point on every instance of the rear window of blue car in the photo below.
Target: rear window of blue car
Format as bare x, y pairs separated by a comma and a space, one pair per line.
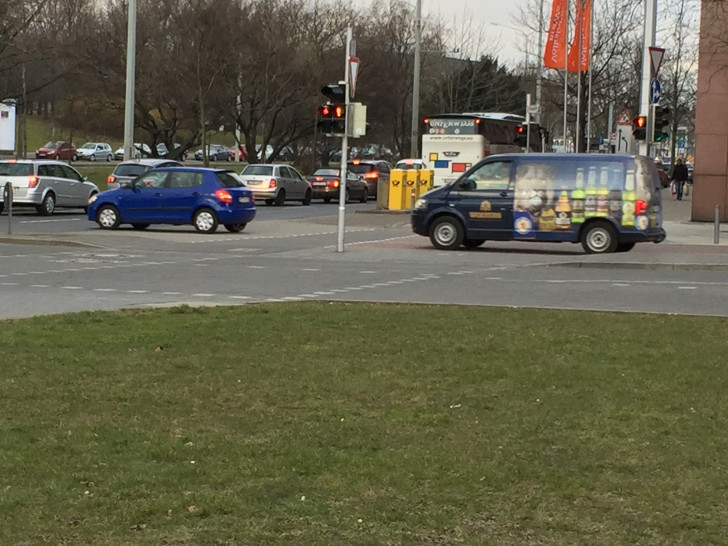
229, 180
16, 169
130, 170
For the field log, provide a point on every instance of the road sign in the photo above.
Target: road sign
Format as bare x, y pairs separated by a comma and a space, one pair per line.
624, 118
656, 54
655, 91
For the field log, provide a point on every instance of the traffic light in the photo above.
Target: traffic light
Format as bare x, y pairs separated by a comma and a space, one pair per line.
335, 93
521, 135
639, 128
323, 119
338, 119
662, 123
331, 119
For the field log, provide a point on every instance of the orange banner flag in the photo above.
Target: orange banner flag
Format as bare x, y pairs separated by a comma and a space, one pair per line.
580, 48
556, 42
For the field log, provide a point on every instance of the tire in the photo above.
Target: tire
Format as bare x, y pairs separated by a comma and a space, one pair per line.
140, 226
280, 198
48, 205
446, 233
625, 247
235, 228
57, 158
108, 217
92, 157
327, 199
364, 196
269, 202
74, 158
205, 221
109, 158
229, 158
599, 237
214, 157
473, 243
2, 207
307, 198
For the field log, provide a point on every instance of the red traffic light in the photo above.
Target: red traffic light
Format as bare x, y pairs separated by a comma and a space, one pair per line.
324, 110
520, 129
640, 122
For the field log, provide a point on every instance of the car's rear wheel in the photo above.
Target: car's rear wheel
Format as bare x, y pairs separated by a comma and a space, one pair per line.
92, 157
281, 197
48, 205
205, 221
235, 228
306, 198
108, 217
364, 196
446, 233
140, 226
599, 237
473, 243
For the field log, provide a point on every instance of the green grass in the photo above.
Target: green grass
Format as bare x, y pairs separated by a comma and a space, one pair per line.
340, 424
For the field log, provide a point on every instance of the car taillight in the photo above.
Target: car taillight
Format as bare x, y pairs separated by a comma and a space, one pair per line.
110, 179
318, 178
224, 196
372, 175
640, 207
32, 181
332, 184
272, 184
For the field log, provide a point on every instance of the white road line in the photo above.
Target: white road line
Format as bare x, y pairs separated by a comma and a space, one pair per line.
307, 295
104, 289
367, 286
72, 287
39, 286
323, 293
687, 287
354, 288
137, 291
292, 298
256, 267
492, 278
204, 295
239, 297
171, 293
621, 284
310, 269
9, 283
366, 272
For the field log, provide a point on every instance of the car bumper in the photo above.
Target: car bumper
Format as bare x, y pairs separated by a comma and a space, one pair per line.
24, 196
235, 216
323, 192
653, 235
264, 194
418, 220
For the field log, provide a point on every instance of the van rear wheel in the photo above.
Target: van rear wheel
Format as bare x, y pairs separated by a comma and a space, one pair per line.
599, 237
447, 233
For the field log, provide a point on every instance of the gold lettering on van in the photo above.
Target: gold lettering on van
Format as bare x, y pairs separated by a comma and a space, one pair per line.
486, 215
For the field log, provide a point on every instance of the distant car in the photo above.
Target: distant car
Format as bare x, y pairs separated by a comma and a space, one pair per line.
56, 150
140, 150
202, 197
95, 151
409, 164
373, 171
45, 185
276, 184
216, 152
163, 151
326, 184
126, 171
241, 154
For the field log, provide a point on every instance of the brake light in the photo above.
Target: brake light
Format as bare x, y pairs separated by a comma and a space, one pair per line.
373, 175
110, 179
332, 184
224, 196
640, 207
356, 162
32, 181
318, 178
272, 184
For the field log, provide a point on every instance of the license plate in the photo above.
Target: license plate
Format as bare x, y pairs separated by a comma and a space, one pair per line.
19, 191
243, 199
319, 183
253, 182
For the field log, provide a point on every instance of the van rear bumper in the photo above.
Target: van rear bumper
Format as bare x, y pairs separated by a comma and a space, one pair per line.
654, 235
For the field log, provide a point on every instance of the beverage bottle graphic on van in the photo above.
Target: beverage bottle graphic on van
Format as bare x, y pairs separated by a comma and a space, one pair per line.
577, 198
590, 198
628, 199
603, 193
563, 211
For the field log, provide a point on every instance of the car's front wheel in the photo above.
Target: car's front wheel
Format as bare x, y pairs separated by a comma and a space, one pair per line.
235, 228
48, 205
307, 198
92, 157
108, 158
205, 221
446, 233
108, 217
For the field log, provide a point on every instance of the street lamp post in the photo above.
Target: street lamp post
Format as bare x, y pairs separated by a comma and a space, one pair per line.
414, 133
130, 70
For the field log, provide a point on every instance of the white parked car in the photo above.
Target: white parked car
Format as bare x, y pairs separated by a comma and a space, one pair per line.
93, 151
408, 164
45, 184
276, 184
140, 150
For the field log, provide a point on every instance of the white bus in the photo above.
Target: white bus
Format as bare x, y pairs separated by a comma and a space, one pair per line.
452, 143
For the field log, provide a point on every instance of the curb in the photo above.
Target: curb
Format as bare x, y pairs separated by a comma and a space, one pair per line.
45, 242
635, 265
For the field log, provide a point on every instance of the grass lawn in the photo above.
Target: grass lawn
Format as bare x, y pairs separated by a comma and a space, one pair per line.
340, 424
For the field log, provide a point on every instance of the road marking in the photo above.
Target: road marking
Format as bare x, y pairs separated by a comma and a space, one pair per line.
367, 272
256, 267
492, 278
310, 269
39, 286
171, 293
8, 283
323, 293
72, 287
137, 291
621, 284
687, 287
204, 295
55, 220
307, 295
104, 289
292, 298
239, 297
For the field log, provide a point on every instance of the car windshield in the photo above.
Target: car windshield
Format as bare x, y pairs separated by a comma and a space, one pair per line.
229, 179
130, 170
89, 145
258, 170
360, 169
326, 172
51, 145
16, 169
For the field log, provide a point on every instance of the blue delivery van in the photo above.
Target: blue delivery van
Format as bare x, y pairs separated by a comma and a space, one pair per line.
605, 202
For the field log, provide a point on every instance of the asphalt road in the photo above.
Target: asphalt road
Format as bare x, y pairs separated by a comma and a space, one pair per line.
289, 254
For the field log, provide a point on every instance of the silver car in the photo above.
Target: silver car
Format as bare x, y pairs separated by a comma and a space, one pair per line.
93, 151
45, 184
276, 184
126, 171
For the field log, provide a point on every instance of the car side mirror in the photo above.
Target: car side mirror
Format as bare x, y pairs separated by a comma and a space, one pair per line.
467, 184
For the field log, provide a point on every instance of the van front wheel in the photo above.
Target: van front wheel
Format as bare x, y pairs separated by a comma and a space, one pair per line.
446, 233
599, 238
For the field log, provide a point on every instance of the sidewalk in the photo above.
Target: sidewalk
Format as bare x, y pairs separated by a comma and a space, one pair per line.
681, 231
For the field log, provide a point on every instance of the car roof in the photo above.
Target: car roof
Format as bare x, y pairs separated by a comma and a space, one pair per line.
35, 161
149, 161
186, 169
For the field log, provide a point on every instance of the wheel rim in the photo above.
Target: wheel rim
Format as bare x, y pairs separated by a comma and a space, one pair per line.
598, 239
445, 234
107, 217
204, 221
49, 204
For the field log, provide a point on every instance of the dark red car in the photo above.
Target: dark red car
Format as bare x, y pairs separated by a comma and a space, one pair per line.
56, 150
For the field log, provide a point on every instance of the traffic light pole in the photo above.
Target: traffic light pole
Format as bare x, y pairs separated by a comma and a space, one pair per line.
344, 148
645, 104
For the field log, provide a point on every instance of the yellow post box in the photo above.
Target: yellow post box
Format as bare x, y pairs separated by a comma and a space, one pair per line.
397, 190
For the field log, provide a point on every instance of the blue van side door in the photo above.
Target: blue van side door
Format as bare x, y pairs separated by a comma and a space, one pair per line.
485, 199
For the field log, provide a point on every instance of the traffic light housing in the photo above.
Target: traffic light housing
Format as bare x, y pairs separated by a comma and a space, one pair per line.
331, 119
639, 128
662, 124
521, 135
335, 93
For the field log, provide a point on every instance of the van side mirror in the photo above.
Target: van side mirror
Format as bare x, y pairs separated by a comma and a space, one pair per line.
467, 184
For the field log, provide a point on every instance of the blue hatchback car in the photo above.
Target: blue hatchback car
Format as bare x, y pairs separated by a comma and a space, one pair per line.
202, 197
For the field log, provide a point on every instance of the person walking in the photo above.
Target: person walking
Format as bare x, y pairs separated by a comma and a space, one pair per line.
680, 177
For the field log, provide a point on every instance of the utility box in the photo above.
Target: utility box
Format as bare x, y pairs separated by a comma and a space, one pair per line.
7, 125
357, 119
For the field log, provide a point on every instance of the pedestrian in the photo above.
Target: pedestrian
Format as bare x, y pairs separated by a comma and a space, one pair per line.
680, 177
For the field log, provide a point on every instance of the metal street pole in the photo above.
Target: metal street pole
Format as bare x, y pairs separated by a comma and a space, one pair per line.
415, 131
537, 116
649, 40
344, 148
129, 151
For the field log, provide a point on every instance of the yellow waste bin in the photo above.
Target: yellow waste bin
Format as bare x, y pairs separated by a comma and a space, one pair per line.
397, 190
